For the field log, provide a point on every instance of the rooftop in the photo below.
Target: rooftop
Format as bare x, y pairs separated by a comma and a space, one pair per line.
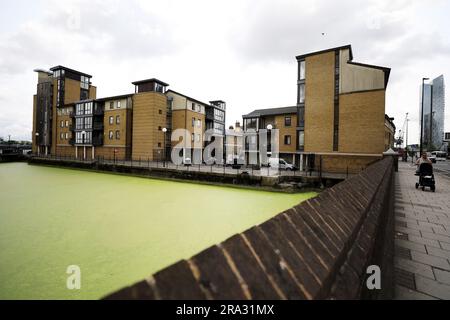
71, 70
151, 80
386, 70
270, 112
183, 95
348, 46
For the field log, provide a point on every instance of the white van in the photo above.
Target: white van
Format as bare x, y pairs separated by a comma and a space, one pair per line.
281, 164
439, 155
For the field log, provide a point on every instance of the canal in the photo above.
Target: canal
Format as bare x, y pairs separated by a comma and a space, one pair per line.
118, 229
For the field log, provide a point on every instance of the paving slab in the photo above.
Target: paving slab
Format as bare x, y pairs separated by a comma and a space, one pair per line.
422, 237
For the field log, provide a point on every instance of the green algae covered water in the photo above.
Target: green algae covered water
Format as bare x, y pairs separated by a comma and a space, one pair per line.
117, 229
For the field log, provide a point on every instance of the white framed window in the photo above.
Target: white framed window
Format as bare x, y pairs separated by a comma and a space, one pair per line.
301, 93
302, 70
111, 120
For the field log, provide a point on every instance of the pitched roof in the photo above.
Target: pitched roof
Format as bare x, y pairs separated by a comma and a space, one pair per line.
270, 112
302, 56
151, 80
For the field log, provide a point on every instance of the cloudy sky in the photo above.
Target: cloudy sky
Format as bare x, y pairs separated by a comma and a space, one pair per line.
241, 51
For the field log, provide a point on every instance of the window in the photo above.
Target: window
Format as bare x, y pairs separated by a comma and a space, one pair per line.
159, 87
111, 120
301, 71
67, 136
84, 82
111, 135
62, 123
79, 123
117, 135
118, 104
84, 94
301, 139
67, 123
61, 135
199, 123
159, 128
301, 93
88, 108
117, 119
193, 122
250, 123
192, 137
193, 106
287, 140
159, 144
160, 111
88, 123
198, 137
111, 105
219, 115
287, 121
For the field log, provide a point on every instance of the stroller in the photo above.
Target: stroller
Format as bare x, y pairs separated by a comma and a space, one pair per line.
426, 177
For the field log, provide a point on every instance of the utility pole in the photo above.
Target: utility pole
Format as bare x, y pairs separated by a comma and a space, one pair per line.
407, 123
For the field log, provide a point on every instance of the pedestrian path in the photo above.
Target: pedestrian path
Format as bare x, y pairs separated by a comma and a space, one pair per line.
422, 237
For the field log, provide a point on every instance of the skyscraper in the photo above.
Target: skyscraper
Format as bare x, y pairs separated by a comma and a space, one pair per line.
433, 114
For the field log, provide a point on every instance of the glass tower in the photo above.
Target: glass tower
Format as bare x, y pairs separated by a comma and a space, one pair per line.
433, 114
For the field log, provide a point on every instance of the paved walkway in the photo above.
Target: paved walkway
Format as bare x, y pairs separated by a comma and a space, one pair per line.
422, 237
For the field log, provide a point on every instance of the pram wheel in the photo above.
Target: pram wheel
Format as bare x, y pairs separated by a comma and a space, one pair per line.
423, 188
433, 188
417, 185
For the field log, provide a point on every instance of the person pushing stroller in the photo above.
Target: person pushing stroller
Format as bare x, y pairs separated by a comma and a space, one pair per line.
425, 173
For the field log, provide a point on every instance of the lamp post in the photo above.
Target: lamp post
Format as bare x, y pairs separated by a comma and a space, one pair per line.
431, 126
165, 148
269, 142
83, 137
37, 143
421, 117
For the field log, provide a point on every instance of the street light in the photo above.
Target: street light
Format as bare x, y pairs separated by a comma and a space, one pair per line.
37, 143
421, 117
165, 155
269, 142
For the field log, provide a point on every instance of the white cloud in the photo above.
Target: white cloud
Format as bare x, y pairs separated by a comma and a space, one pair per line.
240, 51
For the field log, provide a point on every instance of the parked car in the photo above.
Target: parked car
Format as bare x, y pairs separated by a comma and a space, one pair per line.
439, 155
281, 164
187, 162
431, 157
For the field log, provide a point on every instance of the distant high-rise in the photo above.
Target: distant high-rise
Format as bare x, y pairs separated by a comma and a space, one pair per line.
433, 114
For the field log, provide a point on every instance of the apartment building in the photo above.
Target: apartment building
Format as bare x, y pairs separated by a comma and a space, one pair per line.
188, 113
389, 132
283, 119
69, 120
339, 114
53, 105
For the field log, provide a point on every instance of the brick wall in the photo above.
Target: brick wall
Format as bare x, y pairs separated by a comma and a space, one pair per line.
319, 249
